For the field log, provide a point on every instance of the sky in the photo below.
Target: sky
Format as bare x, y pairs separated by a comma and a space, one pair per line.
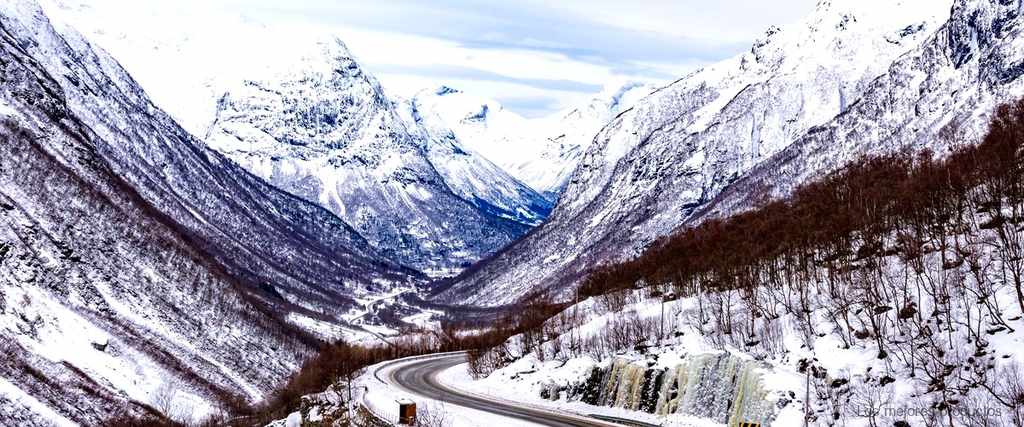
534, 57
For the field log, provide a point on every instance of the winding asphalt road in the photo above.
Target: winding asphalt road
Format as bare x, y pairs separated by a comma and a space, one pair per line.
419, 376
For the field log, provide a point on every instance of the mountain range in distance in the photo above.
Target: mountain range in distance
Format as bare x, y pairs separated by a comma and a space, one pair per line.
204, 205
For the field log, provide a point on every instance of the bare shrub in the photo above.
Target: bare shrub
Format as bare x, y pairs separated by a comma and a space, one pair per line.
483, 362
612, 302
432, 415
163, 398
867, 401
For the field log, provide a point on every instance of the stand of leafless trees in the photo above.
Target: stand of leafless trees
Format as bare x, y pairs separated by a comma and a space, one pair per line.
916, 257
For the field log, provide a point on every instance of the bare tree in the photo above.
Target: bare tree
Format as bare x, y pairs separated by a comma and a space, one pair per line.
432, 415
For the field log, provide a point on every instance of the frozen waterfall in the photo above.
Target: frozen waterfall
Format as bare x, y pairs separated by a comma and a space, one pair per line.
721, 387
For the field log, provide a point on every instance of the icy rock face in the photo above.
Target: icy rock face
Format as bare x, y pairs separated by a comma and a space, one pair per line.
718, 387
135, 262
853, 78
541, 152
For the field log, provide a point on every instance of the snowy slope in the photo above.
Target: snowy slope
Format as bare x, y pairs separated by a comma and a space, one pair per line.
699, 373
895, 72
542, 152
292, 106
138, 266
816, 349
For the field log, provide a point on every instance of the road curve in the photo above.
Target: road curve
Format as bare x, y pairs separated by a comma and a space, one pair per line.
419, 377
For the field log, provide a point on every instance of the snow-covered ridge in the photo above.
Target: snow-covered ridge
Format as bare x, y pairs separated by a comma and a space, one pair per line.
471, 176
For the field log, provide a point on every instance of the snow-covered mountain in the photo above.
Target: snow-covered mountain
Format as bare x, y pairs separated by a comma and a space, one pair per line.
292, 106
852, 78
325, 131
541, 152
137, 266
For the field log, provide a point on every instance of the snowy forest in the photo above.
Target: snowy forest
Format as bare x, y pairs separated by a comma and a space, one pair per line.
913, 257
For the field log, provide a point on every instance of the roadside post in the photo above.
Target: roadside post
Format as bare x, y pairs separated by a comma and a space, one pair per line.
406, 412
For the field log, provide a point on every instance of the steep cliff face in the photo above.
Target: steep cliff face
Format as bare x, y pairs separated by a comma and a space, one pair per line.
853, 78
138, 266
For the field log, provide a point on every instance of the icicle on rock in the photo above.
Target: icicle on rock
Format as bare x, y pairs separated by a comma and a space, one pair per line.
721, 387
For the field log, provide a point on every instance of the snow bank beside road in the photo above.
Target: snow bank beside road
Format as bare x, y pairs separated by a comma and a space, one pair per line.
380, 394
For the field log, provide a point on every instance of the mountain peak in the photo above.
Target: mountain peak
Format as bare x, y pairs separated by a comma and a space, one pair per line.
446, 90
479, 115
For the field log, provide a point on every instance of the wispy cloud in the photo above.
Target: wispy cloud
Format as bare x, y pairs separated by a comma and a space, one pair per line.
522, 25
530, 49
456, 72
531, 106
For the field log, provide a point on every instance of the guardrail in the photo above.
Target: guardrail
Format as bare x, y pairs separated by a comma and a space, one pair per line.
382, 416
370, 418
